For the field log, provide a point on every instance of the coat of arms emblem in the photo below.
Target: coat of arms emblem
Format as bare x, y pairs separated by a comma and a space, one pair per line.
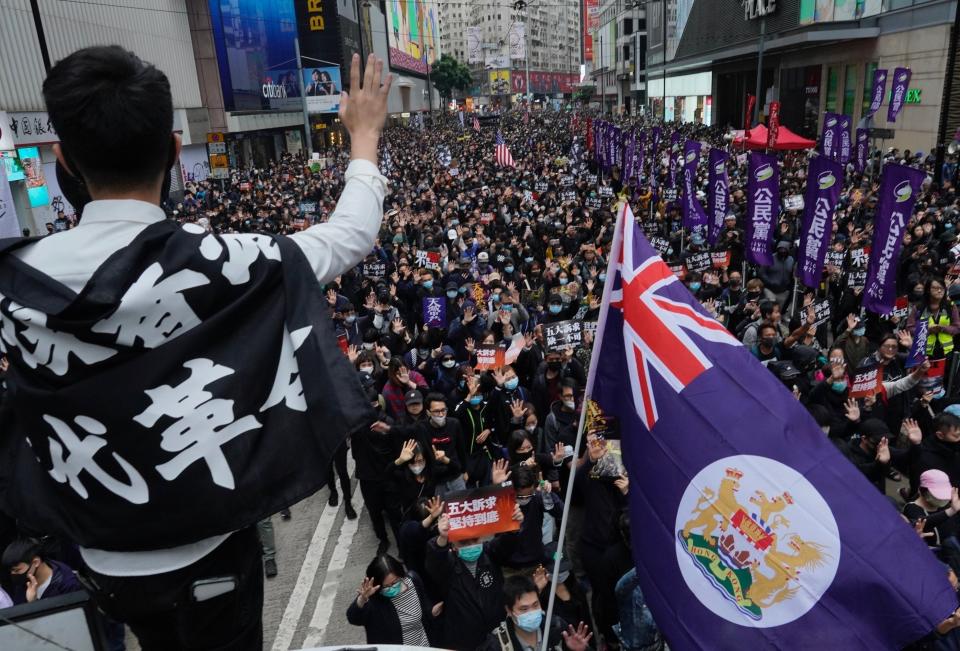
768, 552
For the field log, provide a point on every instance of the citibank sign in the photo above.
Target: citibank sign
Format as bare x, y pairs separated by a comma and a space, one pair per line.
753, 9
273, 91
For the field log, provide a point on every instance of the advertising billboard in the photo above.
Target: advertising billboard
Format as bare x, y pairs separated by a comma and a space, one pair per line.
33, 171
591, 20
499, 82
254, 40
413, 35
322, 87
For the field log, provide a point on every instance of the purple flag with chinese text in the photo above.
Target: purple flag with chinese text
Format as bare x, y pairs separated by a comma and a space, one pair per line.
763, 206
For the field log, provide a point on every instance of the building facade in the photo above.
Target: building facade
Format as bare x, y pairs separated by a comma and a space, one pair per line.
233, 72
817, 56
500, 54
619, 47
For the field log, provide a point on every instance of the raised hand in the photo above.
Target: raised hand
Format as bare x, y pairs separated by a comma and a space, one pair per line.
577, 639
364, 108
883, 451
852, 410
440, 455
911, 429
407, 451
501, 471
558, 453
622, 484
541, 578
516, 408
435, 507
366, 590
468, 343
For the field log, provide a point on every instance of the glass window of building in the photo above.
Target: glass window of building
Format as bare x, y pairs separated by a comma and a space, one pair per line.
850, 90
833, 82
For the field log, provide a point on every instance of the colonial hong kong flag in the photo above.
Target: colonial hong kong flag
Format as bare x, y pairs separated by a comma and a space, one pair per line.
750, 530
502, 153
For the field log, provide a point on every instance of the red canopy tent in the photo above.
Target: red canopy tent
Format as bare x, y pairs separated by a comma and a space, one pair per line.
786, 139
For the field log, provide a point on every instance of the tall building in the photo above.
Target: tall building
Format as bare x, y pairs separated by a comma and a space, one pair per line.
818, 56
552, 45
618, 35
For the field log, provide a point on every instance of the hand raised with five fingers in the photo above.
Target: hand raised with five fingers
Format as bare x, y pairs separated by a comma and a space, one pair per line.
363, 109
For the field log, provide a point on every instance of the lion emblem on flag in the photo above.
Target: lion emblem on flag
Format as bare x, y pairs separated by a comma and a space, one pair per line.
764, 551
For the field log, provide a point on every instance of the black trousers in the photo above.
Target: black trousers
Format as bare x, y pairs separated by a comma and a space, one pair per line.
378, 499
339, 462
161, 611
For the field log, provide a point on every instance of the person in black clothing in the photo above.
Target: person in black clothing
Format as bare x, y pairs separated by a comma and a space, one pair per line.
523, 453
473, 603
872, 454
393, 606
472, 413
373, 452
525, 625
603, 502
442, 436
934, 511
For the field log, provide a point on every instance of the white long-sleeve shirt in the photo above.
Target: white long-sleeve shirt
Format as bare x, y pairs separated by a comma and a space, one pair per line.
71, 257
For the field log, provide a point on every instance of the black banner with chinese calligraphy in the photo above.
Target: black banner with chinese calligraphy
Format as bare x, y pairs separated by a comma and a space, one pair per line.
163, 404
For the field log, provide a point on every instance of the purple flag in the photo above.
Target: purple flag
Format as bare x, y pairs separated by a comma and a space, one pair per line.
611, 140
694, 217
824, 180
676, 158
719, 193
898, 92
828, 138
598, 141
640, 156
898, 192
743, 541
918, 352
628, 155
657, 133
843, 133
435, 311
863, 149
879, 87
763, 205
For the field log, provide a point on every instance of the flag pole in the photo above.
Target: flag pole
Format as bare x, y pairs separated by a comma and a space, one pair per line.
601, 321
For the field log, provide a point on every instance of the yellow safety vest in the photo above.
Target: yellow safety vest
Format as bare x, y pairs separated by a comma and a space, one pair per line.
942, 318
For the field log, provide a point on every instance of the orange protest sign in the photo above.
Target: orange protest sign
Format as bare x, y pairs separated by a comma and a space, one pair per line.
481, 512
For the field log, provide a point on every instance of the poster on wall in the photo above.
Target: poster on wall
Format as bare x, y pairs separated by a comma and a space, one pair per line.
322, 87
194, 163
412, 35
35, 179
591, 21
9, 226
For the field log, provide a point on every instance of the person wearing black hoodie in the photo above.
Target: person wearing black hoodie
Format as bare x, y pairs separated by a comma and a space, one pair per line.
442, 437
373, 451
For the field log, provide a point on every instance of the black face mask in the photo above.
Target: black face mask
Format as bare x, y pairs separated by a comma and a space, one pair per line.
753, 295
554, 366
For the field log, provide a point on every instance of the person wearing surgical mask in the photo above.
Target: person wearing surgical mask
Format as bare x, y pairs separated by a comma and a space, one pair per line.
525, 626
393, 606
443, 436
470, 568
475, 420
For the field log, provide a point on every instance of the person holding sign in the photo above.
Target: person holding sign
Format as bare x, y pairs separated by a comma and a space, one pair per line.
470, 569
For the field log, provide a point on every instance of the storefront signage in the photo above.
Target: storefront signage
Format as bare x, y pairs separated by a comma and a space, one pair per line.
753, 9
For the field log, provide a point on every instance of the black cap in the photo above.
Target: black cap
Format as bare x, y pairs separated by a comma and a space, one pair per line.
412, 397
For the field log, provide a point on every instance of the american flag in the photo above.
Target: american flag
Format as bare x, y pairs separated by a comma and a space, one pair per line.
502, 153
476, 124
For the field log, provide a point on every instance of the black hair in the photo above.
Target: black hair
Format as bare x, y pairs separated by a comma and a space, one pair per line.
433, 396
382, 565
515, 587
766, 308
946, 422
524, 477
113, 114
20, 551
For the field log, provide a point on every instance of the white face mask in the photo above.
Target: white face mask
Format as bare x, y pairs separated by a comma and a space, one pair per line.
439, 421
570, 404
449, 363
531, 428
418, 468
366, 369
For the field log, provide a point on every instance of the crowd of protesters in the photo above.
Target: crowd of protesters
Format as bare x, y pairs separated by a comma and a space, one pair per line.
510, 251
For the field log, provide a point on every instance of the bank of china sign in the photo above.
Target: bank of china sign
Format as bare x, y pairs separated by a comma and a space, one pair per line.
758, 8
